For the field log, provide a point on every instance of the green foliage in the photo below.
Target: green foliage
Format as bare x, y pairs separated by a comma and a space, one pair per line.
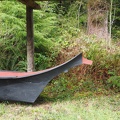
114, 82
2, 110
65, 87
59, 88
50, 29
72, 22
13, 36
91, 79
106, 62
115, 19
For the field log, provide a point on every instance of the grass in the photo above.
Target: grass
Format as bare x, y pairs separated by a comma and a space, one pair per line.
92, 108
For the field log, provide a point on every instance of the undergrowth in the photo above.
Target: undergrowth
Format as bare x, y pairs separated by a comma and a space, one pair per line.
102, 77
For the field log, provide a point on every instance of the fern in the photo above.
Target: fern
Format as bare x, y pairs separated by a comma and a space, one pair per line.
13, 35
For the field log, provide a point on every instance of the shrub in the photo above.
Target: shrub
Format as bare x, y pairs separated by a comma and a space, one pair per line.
13, 36
114, 82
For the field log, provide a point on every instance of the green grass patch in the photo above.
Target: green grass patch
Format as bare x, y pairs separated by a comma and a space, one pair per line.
92, 108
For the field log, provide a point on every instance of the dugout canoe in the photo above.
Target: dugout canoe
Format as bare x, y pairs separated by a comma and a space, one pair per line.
27, 86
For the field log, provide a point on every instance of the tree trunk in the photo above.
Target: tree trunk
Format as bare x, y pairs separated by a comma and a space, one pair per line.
98, 19
30, 39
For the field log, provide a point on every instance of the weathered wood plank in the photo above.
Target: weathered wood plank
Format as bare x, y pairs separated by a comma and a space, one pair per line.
30, 39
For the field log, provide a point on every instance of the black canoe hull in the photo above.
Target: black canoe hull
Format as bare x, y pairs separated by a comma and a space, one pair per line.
28, 88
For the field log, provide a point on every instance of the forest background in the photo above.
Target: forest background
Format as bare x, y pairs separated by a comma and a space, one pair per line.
62, 30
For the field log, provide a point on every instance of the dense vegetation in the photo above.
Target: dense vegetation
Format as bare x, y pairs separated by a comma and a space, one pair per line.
59, 35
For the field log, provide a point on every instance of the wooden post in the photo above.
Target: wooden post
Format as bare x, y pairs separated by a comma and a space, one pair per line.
30, 39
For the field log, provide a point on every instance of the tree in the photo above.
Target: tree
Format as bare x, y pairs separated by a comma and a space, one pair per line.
98, 18
114, 19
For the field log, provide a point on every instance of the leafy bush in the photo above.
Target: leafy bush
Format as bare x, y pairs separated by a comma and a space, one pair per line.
114, 82
13, 36
106, 62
